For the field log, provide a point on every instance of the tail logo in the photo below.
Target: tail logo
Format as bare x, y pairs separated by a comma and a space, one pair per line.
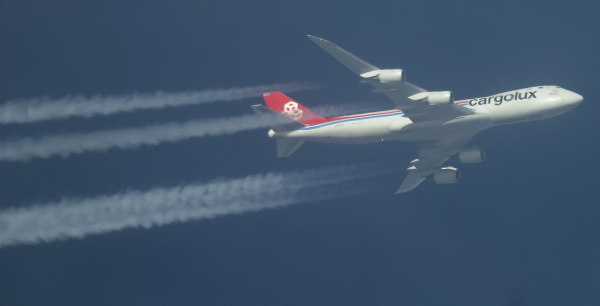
291, 110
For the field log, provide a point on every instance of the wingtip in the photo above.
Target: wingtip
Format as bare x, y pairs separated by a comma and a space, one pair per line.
404, 189
401, 190
314, 38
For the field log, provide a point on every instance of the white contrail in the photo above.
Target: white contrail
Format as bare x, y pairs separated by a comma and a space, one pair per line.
77, 218
40, 109
67, 144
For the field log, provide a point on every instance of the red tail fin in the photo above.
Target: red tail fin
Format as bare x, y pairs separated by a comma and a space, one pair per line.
285, 105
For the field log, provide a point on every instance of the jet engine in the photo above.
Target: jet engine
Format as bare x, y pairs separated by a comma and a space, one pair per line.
391, 75
385, 76
440, 97
434, 97
446, 175
471, 155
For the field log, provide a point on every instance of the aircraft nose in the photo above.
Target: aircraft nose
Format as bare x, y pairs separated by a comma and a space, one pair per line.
572, 98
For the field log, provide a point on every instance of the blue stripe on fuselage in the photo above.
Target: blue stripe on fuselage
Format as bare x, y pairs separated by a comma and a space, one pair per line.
348, 120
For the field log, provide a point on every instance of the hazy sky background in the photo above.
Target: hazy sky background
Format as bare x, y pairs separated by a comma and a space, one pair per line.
520, 228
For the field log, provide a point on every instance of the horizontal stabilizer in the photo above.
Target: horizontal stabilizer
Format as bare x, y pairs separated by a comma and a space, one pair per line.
354, 63
287, 146
281, 123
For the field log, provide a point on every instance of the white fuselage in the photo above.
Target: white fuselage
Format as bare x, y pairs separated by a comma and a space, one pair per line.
528, 104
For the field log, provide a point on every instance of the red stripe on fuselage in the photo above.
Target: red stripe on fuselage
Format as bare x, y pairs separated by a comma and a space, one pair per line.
328, 120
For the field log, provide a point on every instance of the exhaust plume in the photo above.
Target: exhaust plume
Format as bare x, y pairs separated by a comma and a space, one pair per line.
67, 144
41, 109
78, 218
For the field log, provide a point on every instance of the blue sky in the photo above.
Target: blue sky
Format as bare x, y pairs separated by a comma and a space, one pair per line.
520, 228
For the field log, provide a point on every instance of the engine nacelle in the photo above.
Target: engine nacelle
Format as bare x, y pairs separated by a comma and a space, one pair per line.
440, 97
385, 76
447, 175
434, 97
391, 75
471, 155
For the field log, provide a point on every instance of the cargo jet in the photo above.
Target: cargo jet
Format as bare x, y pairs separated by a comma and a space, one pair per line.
440, 125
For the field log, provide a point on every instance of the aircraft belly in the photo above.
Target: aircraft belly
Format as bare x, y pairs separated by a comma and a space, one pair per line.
430, 130
398, 128
360, 131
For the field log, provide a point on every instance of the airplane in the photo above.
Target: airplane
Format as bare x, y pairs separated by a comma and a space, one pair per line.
440, 125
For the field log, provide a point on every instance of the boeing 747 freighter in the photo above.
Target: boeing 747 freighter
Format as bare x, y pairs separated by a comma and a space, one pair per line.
439, 124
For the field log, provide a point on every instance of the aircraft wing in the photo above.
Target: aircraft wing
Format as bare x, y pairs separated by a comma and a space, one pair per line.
432, 155
398, 92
